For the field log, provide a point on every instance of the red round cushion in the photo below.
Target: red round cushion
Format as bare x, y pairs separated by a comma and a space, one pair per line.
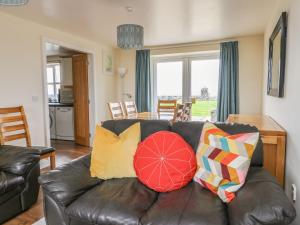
165, 162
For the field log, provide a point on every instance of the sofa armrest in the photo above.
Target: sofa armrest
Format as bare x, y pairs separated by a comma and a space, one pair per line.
17, 160
261, 201
67, 182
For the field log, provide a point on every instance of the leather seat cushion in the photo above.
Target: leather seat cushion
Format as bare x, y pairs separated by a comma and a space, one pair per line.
127, 201
9, 182
187, 206
115, 201
261, 201
17, 160
40, 150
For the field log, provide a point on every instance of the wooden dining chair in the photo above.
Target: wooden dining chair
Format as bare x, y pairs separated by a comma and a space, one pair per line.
116, 110
166, 106
178, 113
14, 126
187, 111
130, 108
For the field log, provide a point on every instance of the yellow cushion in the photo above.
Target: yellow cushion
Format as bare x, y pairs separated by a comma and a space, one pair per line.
112, 155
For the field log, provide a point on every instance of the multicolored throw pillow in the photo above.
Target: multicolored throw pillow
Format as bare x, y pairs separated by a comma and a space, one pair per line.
223, 160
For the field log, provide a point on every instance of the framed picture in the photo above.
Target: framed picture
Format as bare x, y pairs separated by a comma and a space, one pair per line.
277, 55
107, 62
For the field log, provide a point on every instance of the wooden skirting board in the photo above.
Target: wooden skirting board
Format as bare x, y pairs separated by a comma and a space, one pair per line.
273, 138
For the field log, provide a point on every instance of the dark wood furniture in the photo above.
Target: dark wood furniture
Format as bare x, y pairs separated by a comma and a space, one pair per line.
166, 107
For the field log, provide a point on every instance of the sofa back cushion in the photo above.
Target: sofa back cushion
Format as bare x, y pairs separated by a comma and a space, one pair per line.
148, 127
191, 132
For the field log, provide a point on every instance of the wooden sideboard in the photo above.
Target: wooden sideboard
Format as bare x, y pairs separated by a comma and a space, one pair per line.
273, 138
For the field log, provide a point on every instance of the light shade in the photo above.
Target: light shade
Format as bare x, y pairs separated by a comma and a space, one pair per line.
13, 2
122, 71
130, 36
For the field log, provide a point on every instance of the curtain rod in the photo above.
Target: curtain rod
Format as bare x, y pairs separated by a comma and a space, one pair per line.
158, 47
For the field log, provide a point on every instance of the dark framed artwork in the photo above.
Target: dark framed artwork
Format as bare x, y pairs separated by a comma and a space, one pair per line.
277, 56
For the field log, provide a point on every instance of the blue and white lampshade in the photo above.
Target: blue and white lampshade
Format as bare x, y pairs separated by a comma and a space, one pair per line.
13, 2
130, 36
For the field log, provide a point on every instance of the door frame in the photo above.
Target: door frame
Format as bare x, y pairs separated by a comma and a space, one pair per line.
91, 85
186, 70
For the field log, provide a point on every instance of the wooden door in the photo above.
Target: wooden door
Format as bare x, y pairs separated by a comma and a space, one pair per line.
81, 99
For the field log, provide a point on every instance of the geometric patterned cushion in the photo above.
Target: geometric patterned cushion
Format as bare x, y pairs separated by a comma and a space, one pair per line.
223, 160
165, 162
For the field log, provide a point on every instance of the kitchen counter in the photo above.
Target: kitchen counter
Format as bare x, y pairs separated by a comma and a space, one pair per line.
58, 104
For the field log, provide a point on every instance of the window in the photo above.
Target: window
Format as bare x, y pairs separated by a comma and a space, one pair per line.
188, 78
53, 79
167, 73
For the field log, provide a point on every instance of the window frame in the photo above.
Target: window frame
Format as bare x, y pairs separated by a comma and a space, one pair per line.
186, 59
54, 83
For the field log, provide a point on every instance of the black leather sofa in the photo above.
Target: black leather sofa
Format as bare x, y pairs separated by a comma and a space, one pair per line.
19, 187
72, 197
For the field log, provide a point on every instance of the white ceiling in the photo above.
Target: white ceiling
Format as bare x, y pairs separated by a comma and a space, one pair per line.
165, 21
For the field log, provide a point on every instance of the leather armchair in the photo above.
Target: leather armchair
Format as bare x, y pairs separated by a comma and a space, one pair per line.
19, 172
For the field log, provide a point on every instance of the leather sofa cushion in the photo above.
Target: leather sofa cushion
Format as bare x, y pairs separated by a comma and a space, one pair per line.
148, 127
115, 201
9, 182
17, 160
187, 206
67, 182
260, 201
127, 201
191, 132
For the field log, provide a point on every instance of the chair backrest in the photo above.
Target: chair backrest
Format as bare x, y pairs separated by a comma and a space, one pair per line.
178, 113
166, 106
13, 125
187, 111
130, 108
116, 110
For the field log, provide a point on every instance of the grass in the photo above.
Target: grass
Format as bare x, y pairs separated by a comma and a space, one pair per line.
203, 108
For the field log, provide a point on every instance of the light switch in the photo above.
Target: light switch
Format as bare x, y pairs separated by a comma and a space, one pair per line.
35, 98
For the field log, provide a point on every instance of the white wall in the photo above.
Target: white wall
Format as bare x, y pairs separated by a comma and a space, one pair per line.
21, 70
250, 69
286, 110
126, 58
251, 73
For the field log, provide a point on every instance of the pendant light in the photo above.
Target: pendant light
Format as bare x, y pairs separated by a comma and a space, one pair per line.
130, 36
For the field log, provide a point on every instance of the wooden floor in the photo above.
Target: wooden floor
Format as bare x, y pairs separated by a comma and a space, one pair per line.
65, 152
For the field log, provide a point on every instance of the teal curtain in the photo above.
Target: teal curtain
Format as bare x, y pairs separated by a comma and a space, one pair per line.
143, 89
228, 96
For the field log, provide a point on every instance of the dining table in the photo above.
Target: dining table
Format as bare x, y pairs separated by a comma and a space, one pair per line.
149, 116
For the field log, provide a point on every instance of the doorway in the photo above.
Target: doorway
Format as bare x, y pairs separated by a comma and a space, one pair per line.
67, 81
